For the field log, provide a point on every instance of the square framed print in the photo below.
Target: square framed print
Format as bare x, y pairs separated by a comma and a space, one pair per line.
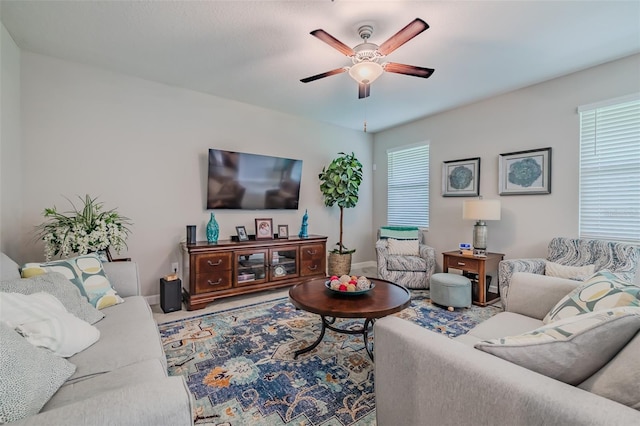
461, 178
525, 172
264, 229
242, 233
283, 231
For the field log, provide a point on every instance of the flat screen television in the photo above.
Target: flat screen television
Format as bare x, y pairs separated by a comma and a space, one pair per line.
238, 180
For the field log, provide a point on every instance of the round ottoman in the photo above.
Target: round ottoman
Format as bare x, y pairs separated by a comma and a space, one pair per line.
450, 290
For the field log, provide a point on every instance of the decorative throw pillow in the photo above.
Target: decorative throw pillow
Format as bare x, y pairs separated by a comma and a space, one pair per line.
29, 376
399, 232
578, 273
56, 284
86, 273
403, 247
619, 379
45, 323
572, 349
602, 291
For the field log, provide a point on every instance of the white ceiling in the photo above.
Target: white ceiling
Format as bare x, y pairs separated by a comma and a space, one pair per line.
257, 51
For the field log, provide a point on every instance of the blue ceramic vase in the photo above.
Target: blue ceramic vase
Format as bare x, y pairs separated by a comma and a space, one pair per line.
212, 230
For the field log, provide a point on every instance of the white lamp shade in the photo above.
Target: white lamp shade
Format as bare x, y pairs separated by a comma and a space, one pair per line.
365, 71
481, 209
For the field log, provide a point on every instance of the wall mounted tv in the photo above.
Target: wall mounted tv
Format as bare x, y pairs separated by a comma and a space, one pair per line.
239, 180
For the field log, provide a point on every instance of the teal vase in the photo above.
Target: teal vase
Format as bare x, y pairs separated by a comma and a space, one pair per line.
212, 230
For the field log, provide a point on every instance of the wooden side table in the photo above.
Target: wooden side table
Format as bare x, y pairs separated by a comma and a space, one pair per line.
481, 266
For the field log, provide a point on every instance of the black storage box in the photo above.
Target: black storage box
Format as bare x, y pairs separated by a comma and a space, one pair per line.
170, 295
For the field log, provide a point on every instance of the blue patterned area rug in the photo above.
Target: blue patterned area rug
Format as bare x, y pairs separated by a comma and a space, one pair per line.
240, 369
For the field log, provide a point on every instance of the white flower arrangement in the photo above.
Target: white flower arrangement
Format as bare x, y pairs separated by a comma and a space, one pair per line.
83, 231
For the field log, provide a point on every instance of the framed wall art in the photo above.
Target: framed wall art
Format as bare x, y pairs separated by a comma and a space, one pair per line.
461, 178
525, 172
264, 229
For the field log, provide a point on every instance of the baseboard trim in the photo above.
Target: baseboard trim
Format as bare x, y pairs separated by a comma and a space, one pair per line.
154, 299
362, 265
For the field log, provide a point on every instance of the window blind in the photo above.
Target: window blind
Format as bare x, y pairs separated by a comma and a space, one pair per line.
610, 170
408, 186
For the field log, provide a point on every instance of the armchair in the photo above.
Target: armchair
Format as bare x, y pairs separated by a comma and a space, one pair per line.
619, 258
409, 270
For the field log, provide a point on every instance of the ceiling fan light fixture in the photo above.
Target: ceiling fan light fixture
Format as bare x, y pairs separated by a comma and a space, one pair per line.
366, 72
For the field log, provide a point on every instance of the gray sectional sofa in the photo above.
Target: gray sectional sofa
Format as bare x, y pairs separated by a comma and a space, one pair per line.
122, 378
424, 378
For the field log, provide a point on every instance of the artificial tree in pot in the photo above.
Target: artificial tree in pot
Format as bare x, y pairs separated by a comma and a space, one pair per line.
339, 184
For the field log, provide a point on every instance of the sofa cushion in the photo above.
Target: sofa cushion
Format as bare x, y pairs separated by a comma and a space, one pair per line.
44, 322
9, 269
28, 375
130, 375
85, 272
619, 380
504, 324
578, 273
57, 285
126, 338
406, 263
602, 291
572, 349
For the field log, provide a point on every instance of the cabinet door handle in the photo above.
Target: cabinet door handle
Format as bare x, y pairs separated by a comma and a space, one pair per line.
312, 253
214, 264
461, 263
312, 268
214, 283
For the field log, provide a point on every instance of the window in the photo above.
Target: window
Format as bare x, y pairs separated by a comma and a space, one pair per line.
408, 186
610, 170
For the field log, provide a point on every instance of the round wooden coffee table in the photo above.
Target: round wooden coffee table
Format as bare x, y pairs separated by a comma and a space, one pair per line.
384, 299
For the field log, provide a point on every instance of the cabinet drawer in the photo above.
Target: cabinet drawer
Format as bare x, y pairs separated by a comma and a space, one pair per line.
312, 267
470, 265
312, 252
210, 263
213, 281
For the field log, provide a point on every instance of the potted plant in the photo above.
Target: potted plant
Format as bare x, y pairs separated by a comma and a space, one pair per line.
81, 231
339, 184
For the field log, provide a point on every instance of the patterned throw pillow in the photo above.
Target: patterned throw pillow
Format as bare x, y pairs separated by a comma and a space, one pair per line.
85, 272
29, 376
403, 247
602, 291
569, 350
57, 285
578, 273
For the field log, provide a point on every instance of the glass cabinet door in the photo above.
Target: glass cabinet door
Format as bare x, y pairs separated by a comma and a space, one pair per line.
251, 267
283, 263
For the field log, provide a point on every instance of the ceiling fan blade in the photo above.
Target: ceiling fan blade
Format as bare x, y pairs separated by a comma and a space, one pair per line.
414, 28
333, 42
408, 69
364, 90
324, 74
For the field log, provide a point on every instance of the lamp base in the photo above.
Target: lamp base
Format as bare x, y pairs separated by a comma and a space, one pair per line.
480, 235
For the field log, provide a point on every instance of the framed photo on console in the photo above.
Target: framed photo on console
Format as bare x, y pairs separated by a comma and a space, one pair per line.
264, 229
283, 231
242, 233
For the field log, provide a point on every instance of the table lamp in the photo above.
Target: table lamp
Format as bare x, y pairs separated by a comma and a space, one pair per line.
480, 210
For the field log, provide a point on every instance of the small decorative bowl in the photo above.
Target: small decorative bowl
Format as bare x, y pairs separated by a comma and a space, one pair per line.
327, 284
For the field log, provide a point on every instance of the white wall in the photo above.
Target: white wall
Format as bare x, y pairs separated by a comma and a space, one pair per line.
538, 116
10, 147
142, 147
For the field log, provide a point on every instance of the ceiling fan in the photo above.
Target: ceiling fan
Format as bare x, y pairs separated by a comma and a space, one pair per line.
365, 56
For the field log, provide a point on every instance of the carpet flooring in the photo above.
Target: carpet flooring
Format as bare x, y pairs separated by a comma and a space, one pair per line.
240, 369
